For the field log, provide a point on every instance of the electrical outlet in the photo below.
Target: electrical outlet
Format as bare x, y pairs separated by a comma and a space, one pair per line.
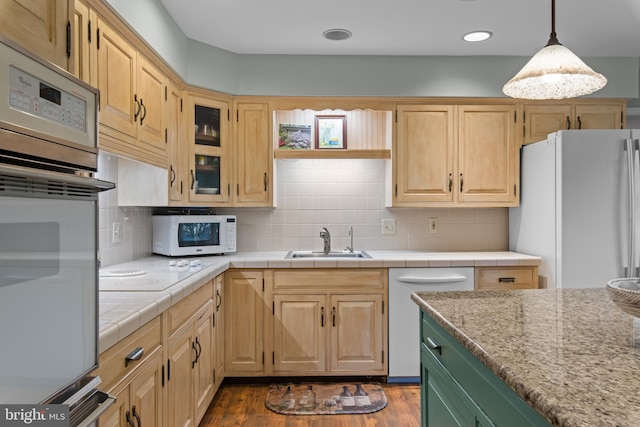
388, 226
116, 236
433, 225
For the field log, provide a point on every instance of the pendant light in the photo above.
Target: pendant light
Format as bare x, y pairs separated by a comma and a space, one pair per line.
554, 73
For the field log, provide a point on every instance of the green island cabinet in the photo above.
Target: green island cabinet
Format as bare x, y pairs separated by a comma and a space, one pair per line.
456, 389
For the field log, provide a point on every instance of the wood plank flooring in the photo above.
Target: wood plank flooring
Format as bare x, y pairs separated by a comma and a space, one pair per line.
242, 405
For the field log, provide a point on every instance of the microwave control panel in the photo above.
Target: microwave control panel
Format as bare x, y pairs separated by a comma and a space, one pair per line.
36, 97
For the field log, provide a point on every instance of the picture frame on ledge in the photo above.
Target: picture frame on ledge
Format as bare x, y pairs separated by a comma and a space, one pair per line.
331, 132
294, 137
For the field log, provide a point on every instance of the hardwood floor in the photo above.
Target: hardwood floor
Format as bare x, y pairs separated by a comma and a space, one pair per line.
242, 405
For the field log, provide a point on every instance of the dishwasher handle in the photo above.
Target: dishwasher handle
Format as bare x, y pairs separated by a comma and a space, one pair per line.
427, 280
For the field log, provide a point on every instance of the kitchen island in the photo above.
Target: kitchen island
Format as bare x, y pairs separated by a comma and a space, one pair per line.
570, 354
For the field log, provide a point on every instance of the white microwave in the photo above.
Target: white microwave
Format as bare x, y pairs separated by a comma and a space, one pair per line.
184, 235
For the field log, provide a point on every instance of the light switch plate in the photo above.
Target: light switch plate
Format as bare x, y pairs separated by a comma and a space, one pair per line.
388, 226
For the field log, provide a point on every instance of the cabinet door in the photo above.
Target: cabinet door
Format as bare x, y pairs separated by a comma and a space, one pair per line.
243, 323
181, 354
488, 155
254, 156
541, 120
424, 154
117, 84
357, 334
218, 330
151, 96
300, 333
203, 369
39, 26
146, 395
175, 143
116, 414
83, 61
599, 116
209, 151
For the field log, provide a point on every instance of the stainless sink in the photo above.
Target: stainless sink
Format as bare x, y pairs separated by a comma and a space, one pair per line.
342, 254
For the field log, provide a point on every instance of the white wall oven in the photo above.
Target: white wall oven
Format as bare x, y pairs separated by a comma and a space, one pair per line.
48, 237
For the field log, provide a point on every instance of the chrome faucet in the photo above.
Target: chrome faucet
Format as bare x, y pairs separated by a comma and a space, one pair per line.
326, 236
350, 247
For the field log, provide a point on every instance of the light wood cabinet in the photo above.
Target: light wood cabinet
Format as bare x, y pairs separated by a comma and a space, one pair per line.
83, 62
175, 144
496, 278
456, 155
190, 353
132, 99
243, 323
218, 332
329, 322
132, 371
38, 26
209, 150
542, 119
253, 156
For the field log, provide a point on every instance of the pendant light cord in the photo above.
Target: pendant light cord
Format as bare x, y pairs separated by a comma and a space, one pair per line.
553, 40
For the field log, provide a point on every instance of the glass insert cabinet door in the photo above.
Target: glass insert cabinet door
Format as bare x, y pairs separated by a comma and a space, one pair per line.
208, 160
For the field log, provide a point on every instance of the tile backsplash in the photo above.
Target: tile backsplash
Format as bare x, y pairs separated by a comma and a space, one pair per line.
311, 194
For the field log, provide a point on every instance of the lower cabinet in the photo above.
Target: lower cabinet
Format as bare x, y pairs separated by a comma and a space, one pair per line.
132, 372
329, 322
190, 365
457, 389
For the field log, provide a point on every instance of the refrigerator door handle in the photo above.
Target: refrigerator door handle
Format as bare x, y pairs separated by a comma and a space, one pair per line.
630, 148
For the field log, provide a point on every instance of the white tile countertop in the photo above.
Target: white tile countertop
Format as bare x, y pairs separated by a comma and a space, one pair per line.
128, 300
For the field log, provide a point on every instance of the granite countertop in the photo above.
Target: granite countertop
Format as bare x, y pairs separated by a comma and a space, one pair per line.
121, 312
569, 353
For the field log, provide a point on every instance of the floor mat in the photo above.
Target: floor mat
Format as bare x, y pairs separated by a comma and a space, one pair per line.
325, 398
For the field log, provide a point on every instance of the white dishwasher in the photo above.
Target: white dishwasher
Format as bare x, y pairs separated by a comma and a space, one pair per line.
404, 324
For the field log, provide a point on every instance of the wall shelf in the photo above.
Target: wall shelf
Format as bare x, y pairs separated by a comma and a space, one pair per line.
333, 154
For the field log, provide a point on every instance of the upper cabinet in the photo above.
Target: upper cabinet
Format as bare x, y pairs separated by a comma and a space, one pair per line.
177, 157
132, 98
456, 155
39, 26
253, 155
541, 119
83, 62
209, 148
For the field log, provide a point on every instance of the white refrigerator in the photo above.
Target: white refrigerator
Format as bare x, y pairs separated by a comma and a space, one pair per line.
578, 208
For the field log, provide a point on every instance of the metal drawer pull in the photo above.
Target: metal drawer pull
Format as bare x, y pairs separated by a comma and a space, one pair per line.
443, 279
433, 345
133, 356
506, 280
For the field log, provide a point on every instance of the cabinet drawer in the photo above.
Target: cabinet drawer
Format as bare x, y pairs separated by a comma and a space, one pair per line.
355, 279
506, 278
179, 313
497, 400
113, 362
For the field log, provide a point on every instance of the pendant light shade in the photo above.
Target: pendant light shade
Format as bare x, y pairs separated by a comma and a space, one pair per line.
554, 73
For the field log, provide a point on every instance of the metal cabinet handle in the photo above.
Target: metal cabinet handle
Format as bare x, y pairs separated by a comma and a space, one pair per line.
333, 316
218, 300
433, 345
461, 183
579, 123
129, 420
195, 359
568, 122
322, 317
506, 280
133, 356
199, 349
450, 182
136, 416
144, 113
173, 174
193, 179
138, 107
265, 181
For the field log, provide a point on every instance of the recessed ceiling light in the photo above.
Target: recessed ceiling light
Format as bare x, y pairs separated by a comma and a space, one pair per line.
477, 36
337, 34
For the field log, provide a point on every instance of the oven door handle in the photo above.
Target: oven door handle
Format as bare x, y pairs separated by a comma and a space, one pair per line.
428, 280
